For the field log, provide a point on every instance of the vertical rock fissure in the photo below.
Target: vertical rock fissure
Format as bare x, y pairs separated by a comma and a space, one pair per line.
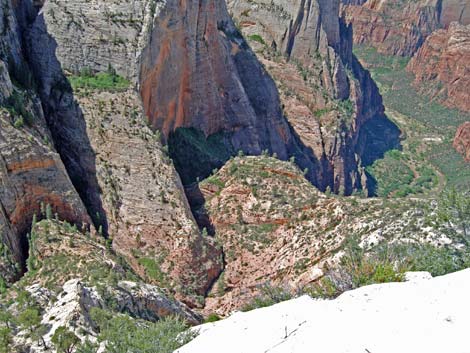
62, 113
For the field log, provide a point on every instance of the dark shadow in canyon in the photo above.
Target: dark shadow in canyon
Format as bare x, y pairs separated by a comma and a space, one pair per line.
63, 115
196, 153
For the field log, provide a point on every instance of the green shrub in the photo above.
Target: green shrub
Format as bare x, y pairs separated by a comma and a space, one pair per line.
152, 269
269, 295
212, 318
64, 340
19, 122
123, 334
371, 267
257, 38
16, 104
102, 81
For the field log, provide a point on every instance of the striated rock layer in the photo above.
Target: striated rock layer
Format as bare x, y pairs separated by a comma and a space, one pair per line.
462, 140
142, 202
393, 28
203, 87
400, 28
148, 214
441, 66
97, 34
329, 99
198, 72
32, 174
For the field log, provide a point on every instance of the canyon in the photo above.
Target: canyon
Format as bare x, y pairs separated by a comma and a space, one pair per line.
434, 34
176, 158
400, 28
440, 68
239, 109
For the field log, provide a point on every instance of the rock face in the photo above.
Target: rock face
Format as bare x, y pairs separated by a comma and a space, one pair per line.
98, 34
275, 228
198, 72
441, 66
67, 291
462, 140
143, 198
31, 171
108, 163
115, 162
394, 28
400, 28
455, 11
393, 317
327, 96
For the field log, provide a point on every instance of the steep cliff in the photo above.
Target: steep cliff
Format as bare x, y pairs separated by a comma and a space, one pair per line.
96, 34
149, 217
328, 98
276, 229
32, 174
203, 87
393, 27
441, 67
455, 11
198, 73
143, 207
401, 27
462, 140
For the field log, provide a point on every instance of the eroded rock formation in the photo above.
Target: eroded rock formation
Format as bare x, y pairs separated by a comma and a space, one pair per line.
462, 140
198, 72
32, 174
400, 28
278, 231
327, 96
143, 204
455, 11
441, 66
148, 214
395, 28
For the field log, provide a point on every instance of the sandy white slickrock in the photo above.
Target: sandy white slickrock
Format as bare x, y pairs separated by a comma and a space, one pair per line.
419, 316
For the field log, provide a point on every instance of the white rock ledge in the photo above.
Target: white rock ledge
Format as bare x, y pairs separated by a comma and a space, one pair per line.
423, 316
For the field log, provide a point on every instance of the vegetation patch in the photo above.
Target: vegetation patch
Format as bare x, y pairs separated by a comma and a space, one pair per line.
195, 155
438, 122
395, 177
101, 81
257, 38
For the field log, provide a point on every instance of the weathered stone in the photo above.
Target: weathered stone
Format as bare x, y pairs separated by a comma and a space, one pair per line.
98, 34
327, 96
31, 171
391, 27
277, 230
198, 72
462, 140
441, 66
143, 198
455, 11
150, 303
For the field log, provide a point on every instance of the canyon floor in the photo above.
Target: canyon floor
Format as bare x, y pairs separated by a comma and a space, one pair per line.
292, 175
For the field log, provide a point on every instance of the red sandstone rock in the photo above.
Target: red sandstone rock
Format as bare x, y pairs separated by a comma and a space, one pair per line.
462, 140
391, 27
455, 11
441, 66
